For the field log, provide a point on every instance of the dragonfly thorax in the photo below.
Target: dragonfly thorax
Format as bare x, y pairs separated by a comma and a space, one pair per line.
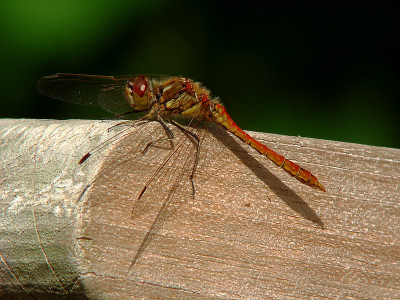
181, 97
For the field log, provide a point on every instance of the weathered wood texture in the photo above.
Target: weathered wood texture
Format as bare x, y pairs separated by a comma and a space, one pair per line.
251, 231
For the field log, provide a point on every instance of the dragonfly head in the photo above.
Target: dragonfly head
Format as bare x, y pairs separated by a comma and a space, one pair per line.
138, 93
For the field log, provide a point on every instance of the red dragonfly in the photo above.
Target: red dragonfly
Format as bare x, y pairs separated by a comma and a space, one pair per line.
163, 98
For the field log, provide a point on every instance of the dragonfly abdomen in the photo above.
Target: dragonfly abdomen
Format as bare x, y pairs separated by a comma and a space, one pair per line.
220, 116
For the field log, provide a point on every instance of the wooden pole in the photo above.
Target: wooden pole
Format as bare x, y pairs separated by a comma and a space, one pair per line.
250, 230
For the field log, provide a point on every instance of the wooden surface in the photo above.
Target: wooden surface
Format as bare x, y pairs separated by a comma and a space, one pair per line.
250, 232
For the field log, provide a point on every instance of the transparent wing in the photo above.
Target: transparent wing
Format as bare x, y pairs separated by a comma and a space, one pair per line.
127, 169
104, 91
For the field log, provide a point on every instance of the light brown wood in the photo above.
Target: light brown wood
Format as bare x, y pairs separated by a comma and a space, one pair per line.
251, 231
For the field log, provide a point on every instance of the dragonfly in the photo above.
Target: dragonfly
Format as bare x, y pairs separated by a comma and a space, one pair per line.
165, 99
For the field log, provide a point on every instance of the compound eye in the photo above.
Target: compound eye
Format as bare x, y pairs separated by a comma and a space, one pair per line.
140, 86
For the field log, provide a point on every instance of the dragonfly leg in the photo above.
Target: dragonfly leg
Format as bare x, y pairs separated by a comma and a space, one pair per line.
195, 139
144, 119
170, 135
130, 123
121, 115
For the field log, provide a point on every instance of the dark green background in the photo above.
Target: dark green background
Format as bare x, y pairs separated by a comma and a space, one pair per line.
329, 71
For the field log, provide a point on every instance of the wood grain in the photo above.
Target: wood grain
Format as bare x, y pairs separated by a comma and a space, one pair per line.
249, 232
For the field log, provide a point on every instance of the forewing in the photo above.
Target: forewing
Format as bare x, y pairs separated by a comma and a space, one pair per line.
104, 91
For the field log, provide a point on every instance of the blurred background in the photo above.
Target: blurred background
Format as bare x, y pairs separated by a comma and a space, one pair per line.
329, 71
